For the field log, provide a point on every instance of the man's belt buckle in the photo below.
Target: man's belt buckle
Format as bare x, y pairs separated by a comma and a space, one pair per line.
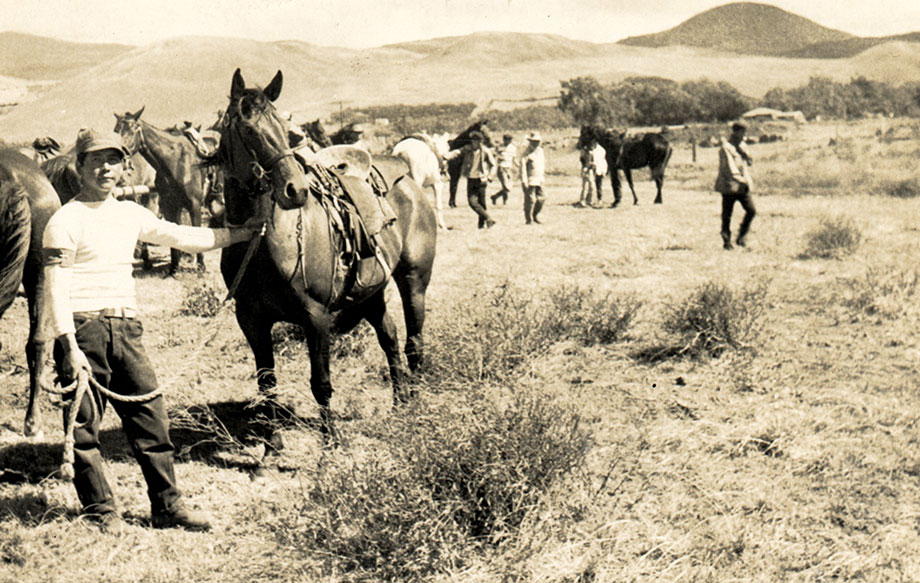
127, 313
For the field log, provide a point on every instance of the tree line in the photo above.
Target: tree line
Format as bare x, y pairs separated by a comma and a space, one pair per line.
644, 101
652, 101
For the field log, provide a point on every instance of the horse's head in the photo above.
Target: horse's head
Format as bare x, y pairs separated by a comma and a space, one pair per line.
440, 142
590, 134
128, 125
254, 145
317, 132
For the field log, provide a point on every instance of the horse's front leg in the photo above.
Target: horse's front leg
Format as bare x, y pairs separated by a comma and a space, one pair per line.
194, 213
617, 187
437, 186
388, 337
258, 332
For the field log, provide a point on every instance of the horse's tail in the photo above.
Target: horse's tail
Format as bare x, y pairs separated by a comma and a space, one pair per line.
15, 231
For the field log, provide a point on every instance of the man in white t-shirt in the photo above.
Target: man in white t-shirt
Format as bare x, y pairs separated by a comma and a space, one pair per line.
91, 311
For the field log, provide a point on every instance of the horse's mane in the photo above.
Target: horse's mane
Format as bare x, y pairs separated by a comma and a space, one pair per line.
62, 175
463, 138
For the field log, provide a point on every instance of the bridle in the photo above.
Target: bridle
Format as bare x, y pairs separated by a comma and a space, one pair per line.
137, 135
261, 171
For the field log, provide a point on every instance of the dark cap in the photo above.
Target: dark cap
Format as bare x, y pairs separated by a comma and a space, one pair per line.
507, 137
89, 140
739, 127
474, 135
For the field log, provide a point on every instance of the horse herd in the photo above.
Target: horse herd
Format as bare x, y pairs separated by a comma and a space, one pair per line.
301, 269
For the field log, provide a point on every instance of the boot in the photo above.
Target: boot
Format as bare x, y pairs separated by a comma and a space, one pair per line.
727, 241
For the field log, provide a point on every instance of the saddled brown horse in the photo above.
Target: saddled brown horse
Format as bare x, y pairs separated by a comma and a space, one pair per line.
181, 181
291, 276
629, 153
27, 201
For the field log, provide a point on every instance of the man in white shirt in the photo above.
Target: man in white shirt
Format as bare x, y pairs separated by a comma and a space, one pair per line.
91, 311
533, 169
734, 183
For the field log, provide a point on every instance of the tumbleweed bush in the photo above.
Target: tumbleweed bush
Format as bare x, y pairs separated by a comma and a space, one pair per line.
443, 481
835, 238
715, 317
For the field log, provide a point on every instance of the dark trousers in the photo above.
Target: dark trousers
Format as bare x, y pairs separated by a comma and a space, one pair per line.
599, 183
476, 195
118, 360
533, 203
728, 205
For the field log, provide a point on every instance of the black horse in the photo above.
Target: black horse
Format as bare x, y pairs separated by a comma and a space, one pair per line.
629, 153
455, 165
296, 272
27, 201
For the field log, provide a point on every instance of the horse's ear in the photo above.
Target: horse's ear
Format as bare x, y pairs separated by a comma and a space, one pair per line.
139, 112
274, 88
237, 86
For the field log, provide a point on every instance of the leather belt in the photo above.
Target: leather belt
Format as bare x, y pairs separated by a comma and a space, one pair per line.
128, 313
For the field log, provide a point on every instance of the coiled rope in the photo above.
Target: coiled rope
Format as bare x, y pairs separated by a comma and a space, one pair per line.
80, 386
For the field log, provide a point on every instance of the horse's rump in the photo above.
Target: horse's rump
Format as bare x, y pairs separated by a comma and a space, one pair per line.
15, 233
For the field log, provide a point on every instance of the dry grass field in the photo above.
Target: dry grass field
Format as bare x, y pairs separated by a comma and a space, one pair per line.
621, 400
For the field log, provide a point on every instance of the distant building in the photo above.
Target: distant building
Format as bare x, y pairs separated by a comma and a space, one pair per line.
768, 114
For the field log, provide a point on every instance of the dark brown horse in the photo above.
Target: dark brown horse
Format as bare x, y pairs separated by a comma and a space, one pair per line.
292, 274
27, 201
181, 181
455, 165
628, 154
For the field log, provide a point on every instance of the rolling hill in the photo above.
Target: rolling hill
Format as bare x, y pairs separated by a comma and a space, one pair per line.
743, 27
850, 47
188, 78
34, 57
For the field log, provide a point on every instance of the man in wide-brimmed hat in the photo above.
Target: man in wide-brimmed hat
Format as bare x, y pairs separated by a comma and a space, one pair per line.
91, 311
533, 169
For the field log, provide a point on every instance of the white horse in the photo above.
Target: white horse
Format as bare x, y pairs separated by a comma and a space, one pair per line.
424, 165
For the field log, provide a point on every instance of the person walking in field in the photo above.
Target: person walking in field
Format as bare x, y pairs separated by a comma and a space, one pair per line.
533, 169
479, 169
734, 183
599, 155
506, 154
91, 312
588, 175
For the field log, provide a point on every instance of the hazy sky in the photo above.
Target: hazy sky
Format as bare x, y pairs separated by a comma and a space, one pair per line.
367, 23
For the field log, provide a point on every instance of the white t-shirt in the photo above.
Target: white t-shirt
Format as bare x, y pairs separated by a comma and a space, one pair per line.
102, 236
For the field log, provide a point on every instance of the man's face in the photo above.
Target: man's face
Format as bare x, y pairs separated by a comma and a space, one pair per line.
476, 143
101, 170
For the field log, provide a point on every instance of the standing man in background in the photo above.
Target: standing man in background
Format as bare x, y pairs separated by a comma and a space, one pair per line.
734, 183
507, 152
479, 169
533, 169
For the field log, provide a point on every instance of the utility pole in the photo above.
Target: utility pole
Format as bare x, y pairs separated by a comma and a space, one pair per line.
341, 103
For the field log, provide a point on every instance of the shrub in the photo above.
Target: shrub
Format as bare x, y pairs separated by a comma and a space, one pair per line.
715, 318
445, 480
904, 189
581, 315
202, 301
497, 331
887, 291
834, 238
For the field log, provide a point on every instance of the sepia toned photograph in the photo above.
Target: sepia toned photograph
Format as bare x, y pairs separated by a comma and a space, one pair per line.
459, 291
